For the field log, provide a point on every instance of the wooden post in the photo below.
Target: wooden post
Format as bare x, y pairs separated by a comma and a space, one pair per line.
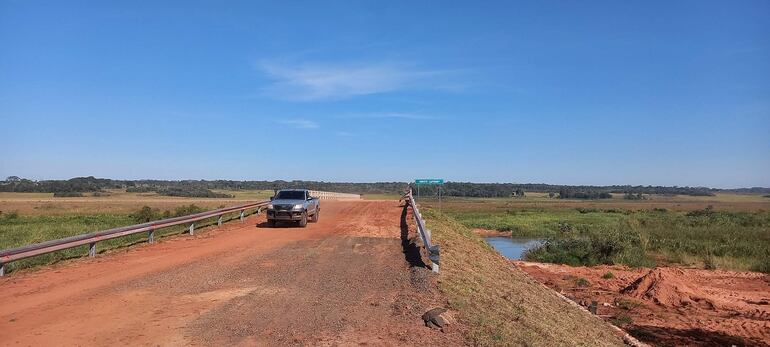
242, 211
151, 236
92, 249
2, 269
219, 221
192, 228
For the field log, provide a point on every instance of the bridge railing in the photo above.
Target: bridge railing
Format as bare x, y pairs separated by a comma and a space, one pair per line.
90, 239
334, 196
425, 233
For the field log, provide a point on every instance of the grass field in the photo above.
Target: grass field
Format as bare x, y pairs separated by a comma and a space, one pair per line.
28, 218
117, 202
728, 231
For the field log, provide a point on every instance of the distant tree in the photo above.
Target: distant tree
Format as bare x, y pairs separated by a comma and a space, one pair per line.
551, 195
13, 179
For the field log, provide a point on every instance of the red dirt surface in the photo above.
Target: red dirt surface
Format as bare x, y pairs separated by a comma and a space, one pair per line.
344, 280
670, 306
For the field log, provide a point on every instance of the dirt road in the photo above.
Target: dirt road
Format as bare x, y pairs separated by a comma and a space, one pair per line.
344, 280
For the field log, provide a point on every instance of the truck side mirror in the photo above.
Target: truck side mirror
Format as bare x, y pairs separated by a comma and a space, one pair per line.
271, 198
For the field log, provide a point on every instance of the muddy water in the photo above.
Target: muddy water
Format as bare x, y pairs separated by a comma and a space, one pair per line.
513, 248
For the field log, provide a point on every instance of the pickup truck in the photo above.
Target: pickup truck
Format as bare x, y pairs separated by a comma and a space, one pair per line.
295, 205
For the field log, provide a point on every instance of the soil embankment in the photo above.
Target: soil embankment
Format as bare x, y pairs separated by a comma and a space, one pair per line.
502, 305
670, 306
344, 280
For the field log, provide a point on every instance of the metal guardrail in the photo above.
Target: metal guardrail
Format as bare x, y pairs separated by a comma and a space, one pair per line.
90, 239
334, 196
425, 234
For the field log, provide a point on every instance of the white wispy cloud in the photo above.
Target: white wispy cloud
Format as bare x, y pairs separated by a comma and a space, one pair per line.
389, 115
300, 123
310, 82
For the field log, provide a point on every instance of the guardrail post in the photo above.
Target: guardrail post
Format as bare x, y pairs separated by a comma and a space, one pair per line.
242, 211
219, 221
433, 255
2, 269
192, 228
151, 236
92, 249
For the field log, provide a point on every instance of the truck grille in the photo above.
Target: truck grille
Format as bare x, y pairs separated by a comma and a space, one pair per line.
283, 207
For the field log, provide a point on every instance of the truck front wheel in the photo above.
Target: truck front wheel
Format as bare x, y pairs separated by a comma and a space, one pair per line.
303, 222
315, 216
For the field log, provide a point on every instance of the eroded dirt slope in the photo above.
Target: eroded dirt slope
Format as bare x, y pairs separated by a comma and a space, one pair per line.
344, 280
670, 306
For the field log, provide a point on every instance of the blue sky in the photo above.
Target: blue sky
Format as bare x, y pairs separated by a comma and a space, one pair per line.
565, 92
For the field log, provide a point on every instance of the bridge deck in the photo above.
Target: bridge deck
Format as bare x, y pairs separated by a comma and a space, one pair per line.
343, 280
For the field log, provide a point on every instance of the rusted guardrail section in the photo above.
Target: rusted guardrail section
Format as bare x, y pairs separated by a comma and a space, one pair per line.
90, 239
425, 235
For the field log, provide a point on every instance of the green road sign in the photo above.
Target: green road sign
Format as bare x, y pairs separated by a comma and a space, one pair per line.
429, 181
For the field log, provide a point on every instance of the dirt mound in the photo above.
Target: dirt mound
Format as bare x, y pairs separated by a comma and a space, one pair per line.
668, 287
671, 306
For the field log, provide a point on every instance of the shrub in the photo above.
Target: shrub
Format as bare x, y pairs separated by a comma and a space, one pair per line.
762, 265
582, 282
709, 262
565, 227
627, 305
708, 211
608, 275
192, 193
586, 210
146, 214
67, 195
141, 189
10, 215
185, 210
610, 247
621, 320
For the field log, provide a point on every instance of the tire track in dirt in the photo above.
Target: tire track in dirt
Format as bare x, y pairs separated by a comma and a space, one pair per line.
342, 280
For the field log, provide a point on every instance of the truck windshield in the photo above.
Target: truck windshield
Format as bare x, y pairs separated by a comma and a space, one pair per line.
291, 195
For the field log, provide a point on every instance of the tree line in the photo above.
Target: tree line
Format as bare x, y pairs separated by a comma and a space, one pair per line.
459, 189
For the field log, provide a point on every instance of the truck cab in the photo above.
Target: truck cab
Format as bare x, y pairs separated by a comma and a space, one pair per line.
293, 205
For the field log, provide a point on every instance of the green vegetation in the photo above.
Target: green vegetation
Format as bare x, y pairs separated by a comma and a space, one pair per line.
67, 195
590, 236
148, 214
459, 189
191, 192
621, 320
608, 275
627, 304
585, 194
18, 230
582, 282
502, 306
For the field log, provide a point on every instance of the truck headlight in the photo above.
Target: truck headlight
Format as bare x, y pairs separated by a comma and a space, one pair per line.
298, 206
269, 206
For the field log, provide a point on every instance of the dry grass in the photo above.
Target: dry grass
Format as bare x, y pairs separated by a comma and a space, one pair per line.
720, 202
501, 304
118, 202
